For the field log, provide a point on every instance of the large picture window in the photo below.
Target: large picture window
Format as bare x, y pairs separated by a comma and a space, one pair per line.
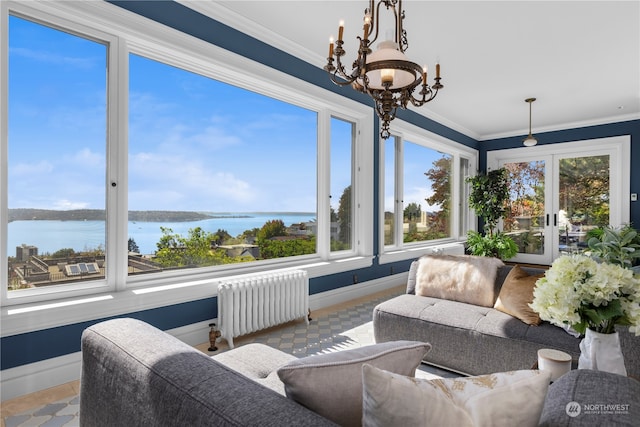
57, 140
217, 174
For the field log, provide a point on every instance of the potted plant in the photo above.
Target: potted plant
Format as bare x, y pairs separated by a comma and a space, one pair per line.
619, 246
488, 198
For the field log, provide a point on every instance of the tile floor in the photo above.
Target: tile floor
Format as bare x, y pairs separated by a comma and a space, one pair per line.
340, 327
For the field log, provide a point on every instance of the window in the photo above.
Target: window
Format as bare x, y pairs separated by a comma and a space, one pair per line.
424, 190
342, 136
130, 159
57, 139
217, 174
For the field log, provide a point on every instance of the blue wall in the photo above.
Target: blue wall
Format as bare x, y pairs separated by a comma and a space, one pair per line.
40, 345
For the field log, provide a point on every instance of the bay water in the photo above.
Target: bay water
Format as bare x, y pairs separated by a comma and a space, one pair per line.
51, 236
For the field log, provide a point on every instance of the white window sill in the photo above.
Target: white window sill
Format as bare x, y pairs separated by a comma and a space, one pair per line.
451, 248
26, 318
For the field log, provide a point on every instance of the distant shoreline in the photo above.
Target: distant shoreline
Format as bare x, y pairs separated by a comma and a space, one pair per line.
28, 214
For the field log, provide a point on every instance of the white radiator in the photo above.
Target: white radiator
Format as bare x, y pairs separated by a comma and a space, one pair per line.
253, 303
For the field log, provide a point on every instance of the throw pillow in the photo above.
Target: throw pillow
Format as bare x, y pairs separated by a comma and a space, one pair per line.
505, 399
463, 278
331, 384
516, 295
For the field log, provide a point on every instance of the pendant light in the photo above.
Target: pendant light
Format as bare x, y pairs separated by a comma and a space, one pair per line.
530, 141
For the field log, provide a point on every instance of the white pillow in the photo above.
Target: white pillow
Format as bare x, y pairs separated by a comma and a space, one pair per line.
331, 384
505, 399
464, 278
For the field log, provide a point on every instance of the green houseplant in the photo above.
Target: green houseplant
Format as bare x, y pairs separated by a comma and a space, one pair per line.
488, 197
619, 246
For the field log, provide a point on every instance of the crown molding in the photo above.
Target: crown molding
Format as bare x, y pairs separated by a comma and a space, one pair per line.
563, 126
254, 29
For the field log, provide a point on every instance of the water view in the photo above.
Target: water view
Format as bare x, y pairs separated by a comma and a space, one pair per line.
50, 236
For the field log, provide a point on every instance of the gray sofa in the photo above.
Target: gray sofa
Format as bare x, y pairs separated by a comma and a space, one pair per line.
477, 340
136, 375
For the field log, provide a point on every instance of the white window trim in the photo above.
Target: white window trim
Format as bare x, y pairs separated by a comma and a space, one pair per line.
127, 294
401, 251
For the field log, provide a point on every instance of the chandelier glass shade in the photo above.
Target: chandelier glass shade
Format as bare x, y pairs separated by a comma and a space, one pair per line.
386, 74
530, 140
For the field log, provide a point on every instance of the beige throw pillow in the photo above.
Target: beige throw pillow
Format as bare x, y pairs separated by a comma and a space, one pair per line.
505, 399
331, 384
516, 294
463, 278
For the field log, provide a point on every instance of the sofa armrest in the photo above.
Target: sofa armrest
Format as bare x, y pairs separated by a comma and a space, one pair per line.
592, 398
136, 375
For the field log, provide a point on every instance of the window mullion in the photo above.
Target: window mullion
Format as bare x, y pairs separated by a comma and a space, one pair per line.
117, 149
399, 192
324, 184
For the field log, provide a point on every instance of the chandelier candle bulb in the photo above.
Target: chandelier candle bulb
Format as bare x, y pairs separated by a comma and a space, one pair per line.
424, 75
330, 47
437, 71
367, 23
387, 75
340, 30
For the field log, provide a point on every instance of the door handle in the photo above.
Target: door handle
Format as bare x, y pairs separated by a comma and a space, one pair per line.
547, 220
555, 220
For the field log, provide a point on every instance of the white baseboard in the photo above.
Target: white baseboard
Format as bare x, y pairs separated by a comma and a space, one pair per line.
347, 293
26, 379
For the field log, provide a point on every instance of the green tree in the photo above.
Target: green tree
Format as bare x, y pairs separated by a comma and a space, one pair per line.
285, 248
175, 250
440, 177
344, 216
272, 228
64, 253
412, 212
221, 236
132, 245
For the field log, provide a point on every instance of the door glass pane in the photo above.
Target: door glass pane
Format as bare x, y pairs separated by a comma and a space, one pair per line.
341, 194
56, 156
525, 216
583, 199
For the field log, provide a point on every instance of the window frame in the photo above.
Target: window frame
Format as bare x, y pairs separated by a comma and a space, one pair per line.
130, 33
461, 220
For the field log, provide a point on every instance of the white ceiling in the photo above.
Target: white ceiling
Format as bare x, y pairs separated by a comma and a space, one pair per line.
580, 59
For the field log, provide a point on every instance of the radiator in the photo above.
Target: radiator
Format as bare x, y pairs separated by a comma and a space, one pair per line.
254, 303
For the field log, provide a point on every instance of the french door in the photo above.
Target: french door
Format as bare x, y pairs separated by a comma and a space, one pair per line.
559, 192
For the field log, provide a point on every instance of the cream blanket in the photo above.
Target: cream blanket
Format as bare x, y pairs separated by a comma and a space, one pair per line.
462, 278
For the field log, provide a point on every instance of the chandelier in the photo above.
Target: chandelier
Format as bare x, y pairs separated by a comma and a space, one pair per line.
387, 75
530, 140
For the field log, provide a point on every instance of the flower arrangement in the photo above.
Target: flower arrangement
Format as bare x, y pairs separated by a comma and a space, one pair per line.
579, 292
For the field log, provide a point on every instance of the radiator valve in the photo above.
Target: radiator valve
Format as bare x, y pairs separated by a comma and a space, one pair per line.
214, 334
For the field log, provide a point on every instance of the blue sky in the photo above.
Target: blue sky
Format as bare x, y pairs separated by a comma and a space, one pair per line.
194, 143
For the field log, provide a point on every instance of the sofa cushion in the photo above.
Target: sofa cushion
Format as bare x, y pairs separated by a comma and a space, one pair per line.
516, 294
464, 278
509, 398
258, 362
331, 384
468, 338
